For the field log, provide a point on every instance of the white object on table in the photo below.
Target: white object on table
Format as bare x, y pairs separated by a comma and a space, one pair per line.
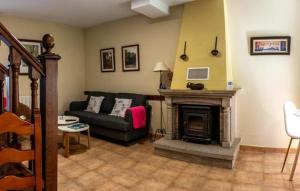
297, 112
66, 120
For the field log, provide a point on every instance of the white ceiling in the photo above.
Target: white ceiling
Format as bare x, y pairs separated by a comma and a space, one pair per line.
82, 13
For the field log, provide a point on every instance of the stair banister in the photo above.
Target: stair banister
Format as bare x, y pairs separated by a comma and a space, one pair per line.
45, 69
11, 41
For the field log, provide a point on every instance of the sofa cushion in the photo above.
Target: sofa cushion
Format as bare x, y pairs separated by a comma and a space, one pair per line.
95, 104
120, 107
137, 99
108, 102
103, 120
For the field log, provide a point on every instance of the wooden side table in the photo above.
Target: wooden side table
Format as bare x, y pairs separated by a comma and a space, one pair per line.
64, 123
67, 132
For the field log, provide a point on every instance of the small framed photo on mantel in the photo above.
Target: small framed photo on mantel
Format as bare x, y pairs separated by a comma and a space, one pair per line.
107, 60
272, 45
130, 58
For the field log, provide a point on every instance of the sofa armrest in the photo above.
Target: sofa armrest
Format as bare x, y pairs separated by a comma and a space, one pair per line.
128, 117
78, 105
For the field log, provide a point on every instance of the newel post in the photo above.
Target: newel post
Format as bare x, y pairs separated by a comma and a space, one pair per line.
49, 112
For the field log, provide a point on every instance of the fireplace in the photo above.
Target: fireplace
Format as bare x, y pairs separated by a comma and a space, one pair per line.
200, 116
199, 123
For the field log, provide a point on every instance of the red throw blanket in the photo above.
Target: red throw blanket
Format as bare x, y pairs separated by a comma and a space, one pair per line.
4, 102
138, 116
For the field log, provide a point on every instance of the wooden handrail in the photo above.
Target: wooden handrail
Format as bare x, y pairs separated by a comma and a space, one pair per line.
12, 41
4, 70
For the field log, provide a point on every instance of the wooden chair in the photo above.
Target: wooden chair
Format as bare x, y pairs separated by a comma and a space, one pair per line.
14, 175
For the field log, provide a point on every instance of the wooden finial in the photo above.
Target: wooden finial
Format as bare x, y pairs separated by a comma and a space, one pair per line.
48, 43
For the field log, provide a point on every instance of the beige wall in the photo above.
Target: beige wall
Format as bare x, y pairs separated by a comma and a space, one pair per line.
267, 81
69, 44
158, 42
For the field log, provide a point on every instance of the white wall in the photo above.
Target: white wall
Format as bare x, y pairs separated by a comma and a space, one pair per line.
267, 81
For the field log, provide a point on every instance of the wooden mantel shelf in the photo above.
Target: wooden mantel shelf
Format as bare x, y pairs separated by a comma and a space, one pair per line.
198, 93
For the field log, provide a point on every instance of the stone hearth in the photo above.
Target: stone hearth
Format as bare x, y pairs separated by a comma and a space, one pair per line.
172, 145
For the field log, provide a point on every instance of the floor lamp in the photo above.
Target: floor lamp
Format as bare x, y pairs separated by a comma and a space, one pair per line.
160, 67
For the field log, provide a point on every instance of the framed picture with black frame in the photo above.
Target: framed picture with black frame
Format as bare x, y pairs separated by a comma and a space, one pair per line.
107, 60
270, 45
130, 58
32, 46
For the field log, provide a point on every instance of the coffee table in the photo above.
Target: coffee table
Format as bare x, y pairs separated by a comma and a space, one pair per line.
64, 125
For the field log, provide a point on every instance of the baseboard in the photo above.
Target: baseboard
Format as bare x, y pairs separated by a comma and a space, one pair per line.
265, 149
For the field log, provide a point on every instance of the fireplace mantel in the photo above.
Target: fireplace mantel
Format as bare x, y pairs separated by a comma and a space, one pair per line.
225, 99
197, 93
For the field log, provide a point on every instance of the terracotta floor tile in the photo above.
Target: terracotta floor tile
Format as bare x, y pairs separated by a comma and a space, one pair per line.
156, 161
138, 156
172, 188
189, 182
125, 163
91, 163
248, 177
250, 166
73, 170
276, 189
251, 156
165, 176
61, 178
143, 169
197, 169
108, 170
70, 186
127, 179
214, 185
150, 185
91, 180
246, 187
111, 186
220, 174
175, 165
108, 166
125, 151
110, 156
276, 180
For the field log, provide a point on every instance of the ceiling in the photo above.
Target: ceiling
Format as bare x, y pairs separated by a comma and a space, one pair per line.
81, 13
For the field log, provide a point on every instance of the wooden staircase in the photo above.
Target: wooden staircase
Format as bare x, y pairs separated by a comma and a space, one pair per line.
42, 125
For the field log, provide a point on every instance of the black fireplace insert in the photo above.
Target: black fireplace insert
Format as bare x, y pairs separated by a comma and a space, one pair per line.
199, 123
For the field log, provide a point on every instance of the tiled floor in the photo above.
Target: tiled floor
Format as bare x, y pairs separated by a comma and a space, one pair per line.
110, 167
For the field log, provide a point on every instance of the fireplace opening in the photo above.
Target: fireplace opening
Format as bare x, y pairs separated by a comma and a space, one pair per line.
199, 123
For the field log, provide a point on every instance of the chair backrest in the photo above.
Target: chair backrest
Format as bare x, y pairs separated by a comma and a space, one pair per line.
290, 119
11, 123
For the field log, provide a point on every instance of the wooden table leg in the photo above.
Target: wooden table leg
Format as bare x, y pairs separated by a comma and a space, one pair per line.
63, 140
67, 146
88, 138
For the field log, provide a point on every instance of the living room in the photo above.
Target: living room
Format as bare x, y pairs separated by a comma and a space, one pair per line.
249, 82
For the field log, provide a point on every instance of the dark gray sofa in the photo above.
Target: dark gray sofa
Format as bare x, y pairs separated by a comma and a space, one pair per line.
102, 124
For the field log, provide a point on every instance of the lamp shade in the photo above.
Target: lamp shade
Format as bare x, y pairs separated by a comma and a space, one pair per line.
160, 66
